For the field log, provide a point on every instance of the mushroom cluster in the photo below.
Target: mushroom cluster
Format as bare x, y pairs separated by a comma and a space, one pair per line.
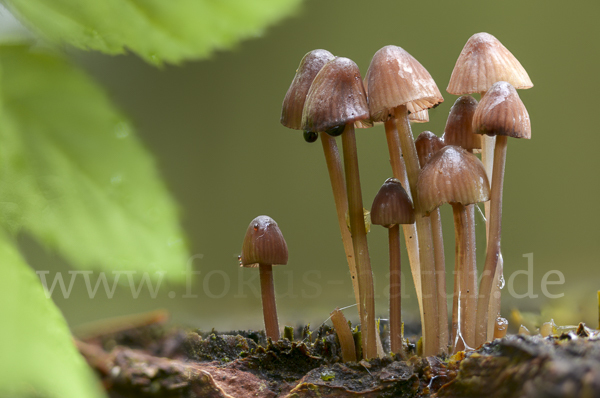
329, 98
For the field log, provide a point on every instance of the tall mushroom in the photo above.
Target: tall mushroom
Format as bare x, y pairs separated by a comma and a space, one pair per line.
391, 208
399, 84
500, 113
335, 101
263, 247
456, 176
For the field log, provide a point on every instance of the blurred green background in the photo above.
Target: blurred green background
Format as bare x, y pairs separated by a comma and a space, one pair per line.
214, 128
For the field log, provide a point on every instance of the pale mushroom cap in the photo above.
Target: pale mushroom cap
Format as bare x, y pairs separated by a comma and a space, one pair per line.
482, 62
427, 145
459, 125
419, 117
293, 103
453, 175
396, 78
501, 112
336, 97
263, 244
392, 205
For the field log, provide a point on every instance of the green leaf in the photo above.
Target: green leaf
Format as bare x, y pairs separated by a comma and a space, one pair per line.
73, 173
38, 355
157, 30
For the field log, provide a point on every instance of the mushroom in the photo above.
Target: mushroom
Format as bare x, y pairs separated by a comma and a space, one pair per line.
263, 247
456, 176
399, 84
391, 208
335, 101
500, 113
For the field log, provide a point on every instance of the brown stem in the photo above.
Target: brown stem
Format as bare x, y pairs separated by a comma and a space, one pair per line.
359, 242
495, 298
268, 301
493, 248
470, 277
440, 273
431, 342
457, 341
344, 334
395, 290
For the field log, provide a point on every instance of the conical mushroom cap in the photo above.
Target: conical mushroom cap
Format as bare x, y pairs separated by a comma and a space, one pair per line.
392, 205
459, 126
263, 244
482, 62
427, 145
501, 112
396, 78
453, 175
419, 117
293, 103
336, 97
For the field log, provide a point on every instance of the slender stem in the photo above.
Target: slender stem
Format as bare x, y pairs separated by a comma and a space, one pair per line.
431, 342
359, 241
457, 340
344, 334
493, 248
268, 301
495, 298
470, 277
395, 290
487, 158
440, 273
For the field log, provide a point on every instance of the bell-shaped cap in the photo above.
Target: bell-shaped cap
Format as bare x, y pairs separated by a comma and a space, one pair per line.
419, 117
427, 145
263, 244
396, 78
336, 97
452, 175
482, 62
501, 112
293, 103
459, 126
392, 205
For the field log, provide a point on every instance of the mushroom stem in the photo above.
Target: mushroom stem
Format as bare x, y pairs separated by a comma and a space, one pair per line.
395, 290
470, 277
493, 247
359, 241
431, 324
440, 273
268, 301
344, 334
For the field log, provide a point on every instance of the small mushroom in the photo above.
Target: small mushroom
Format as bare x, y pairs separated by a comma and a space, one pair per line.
263, 247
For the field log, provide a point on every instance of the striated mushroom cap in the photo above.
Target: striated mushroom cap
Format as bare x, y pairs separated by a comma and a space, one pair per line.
459, 126
452, 175
293, 103
419, 117
427, 145
392, 205
501, 112
396, 78
263, 244
335, 98
482, 62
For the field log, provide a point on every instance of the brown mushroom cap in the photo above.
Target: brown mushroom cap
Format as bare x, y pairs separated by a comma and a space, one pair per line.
293, 103
453, 175
336, 97
392, 205
427, 145
459, 126
501, 112
482, 62
396, 78
263, 244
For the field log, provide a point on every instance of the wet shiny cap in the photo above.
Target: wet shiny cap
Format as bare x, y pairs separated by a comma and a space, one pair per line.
427, 145
392, 205
482, 62
396, 78
459, 126
293, 103
501, 112
263, 244
336, 97
453, 175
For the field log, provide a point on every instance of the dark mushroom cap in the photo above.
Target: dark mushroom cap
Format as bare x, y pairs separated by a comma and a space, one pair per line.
293, 103
501, 112
459, 126
396, 78
336, 97
392, 205
263, 244
452, 175
427, 145
482, 62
